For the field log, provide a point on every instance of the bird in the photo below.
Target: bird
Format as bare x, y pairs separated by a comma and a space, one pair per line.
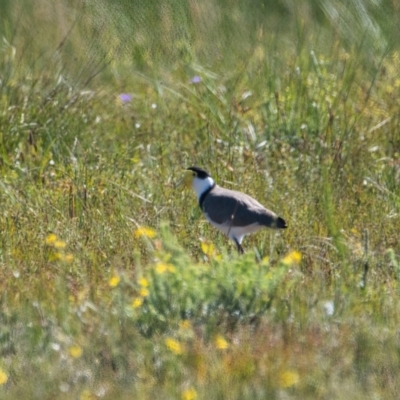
234, 213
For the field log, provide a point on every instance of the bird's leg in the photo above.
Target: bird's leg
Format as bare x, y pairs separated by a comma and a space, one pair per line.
239, 247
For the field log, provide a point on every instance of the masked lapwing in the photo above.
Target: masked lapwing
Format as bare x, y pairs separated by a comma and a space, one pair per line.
236, 214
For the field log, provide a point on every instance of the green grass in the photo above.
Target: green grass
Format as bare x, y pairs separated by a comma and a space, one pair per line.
298, 105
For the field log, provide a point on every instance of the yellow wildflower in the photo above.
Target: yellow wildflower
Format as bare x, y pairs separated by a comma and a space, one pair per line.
174, 346
144, 292
114, 281
144, 231
207, 248
189, 394
137, 303
162, 267
220, 342
288, 379
59, 244
143, 282
294, 257
75, 351
3, 377
50, 239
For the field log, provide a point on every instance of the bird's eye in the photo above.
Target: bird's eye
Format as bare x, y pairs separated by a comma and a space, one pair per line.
194, 174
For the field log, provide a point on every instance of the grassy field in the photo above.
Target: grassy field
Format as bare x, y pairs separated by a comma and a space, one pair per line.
113, 285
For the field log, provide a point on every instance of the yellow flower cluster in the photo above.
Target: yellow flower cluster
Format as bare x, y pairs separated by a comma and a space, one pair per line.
137, 303
294, 257
220, 342
143, 292
58, 246
174, 346
163, 267
208, 249
144, 231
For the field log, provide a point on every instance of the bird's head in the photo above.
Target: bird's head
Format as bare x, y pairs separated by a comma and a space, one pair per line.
197, 178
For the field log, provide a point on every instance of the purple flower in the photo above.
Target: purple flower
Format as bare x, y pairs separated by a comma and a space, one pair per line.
125, 97
196, 79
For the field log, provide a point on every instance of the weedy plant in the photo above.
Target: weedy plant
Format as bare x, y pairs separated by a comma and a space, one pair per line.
221, 291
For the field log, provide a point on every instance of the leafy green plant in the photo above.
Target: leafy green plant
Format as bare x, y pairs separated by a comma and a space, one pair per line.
229, 289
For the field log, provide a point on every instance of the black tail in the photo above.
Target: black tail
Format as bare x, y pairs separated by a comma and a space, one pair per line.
281, 223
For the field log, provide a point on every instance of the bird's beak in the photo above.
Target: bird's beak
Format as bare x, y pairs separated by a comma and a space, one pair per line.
186, 180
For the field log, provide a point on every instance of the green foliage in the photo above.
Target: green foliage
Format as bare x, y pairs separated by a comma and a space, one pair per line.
222, 290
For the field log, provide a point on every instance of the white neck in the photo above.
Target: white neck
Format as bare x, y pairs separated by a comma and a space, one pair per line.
201, 185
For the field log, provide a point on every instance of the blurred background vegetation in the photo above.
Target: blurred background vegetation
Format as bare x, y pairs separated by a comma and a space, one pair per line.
112, 285
175, 34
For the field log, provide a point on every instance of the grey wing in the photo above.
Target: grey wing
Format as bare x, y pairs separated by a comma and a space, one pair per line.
236, 207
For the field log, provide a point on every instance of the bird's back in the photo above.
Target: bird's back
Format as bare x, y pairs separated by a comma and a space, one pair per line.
230, 206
